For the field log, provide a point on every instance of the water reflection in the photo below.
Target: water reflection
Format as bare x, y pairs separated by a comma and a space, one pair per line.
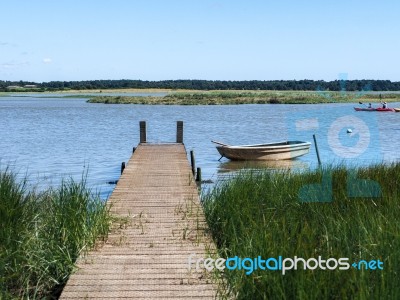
234, 166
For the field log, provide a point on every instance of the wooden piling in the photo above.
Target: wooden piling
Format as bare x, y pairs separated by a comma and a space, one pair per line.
316, 149
192, 162
142, 125
122, 167
198, 177
179, 132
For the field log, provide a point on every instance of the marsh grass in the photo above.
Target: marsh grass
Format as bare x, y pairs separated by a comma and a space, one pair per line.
246, 97
260, 214
42, 235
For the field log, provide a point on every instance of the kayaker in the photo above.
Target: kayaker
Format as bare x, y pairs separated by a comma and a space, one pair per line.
369, 105
384, 105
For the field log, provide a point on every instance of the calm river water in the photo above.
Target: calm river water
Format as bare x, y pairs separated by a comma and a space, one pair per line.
52, 138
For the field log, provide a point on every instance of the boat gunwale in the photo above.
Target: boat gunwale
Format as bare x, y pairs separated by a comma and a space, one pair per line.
268, 146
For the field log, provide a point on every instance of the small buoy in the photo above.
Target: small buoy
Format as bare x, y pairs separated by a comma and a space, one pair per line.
349, 130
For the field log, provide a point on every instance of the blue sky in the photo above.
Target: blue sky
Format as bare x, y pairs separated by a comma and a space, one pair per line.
192, 39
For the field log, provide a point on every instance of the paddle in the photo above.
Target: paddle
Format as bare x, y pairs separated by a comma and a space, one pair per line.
219, 143
365, 105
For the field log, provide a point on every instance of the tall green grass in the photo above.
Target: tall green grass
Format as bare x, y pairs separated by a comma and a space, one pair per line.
42, 235
261, 214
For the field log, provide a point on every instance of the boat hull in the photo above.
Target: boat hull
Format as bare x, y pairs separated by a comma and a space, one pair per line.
275, 151
374, 109
396, 109
364, 109
384, 109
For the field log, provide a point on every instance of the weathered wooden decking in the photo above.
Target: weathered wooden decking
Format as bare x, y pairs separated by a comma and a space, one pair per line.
148, 258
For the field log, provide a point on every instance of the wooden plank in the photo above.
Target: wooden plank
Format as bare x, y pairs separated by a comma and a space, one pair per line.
148, 258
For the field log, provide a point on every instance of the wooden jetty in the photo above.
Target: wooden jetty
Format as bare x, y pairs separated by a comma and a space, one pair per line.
147, 258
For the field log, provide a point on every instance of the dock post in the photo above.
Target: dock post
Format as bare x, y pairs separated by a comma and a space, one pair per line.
179, 132
142, 125
192, 162
198, 177
122, 167
316, 149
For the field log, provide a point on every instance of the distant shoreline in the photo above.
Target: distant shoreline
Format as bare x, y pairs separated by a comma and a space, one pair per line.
83, 92
205, 85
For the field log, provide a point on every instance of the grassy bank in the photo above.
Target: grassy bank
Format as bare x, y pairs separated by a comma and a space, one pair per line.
246, 97
261, 214
41, 235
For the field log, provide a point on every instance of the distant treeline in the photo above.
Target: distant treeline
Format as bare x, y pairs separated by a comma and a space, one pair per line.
300, 85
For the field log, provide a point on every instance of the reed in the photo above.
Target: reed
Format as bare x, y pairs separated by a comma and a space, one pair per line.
42, 235
260, 214
246, 97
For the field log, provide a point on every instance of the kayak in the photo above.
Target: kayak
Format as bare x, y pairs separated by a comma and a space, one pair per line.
364, 109
373, 109
396, 109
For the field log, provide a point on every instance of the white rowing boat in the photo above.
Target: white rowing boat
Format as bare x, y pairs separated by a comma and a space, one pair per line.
271, 151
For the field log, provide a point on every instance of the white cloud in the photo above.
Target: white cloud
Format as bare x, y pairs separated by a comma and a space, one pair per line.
47, 60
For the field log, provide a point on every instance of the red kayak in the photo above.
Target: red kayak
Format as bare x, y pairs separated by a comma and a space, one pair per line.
373, 109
